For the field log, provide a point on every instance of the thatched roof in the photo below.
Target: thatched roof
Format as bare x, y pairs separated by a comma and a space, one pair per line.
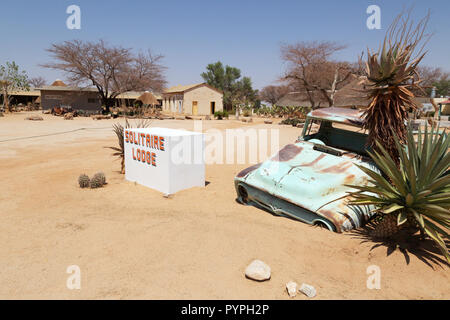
300, 99
148, 98
352, 95
58, 83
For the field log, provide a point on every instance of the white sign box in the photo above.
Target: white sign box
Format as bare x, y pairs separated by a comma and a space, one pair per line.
163, 159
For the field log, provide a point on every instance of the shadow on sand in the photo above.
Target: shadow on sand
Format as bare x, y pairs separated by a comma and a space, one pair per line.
424, 249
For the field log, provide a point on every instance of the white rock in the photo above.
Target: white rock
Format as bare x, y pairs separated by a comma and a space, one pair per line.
258, 270
291, 288
308, 290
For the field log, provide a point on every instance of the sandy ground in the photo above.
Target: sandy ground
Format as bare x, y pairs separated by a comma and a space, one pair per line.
132, 243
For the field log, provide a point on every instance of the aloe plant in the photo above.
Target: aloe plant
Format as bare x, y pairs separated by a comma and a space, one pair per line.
417, 190
392, 78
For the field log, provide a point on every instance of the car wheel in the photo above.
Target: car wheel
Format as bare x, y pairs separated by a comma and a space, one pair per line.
322, 225
243, 195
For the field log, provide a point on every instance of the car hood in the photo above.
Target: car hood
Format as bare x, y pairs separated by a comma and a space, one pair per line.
313, 180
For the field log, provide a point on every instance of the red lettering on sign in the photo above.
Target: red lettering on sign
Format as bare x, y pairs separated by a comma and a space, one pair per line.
161, 143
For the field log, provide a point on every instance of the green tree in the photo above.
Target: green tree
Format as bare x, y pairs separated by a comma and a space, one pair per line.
442, 87
236, 90
11, 78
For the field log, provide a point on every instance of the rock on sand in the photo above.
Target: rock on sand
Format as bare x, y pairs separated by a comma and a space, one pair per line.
291, 288
308, 290
258, 270
34, 118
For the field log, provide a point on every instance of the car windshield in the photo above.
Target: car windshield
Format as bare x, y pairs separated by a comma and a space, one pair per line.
337, 135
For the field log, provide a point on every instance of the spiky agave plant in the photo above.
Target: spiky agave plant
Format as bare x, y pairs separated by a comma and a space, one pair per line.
119, 131
419, 188
392, 78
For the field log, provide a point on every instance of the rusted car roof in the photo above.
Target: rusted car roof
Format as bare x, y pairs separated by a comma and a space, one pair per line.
343, 115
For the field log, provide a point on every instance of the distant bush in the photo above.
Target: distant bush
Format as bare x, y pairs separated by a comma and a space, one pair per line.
221, 114
292, 121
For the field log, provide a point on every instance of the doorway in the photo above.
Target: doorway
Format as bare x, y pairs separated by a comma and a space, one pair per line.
194, 108
213, 107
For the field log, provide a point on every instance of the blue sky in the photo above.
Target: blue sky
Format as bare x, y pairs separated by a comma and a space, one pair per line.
190, 34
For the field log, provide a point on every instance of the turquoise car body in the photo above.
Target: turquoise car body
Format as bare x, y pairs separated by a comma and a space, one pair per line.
307, 180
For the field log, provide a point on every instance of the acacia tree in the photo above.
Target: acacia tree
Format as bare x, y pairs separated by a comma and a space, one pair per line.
311, 70
11, 78
272, 94
433, 77
228, 79
113, 70
37, 82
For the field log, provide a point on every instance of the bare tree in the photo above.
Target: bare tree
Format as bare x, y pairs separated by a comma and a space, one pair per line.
431, 77
113, 70
272, 94
37, 82
310, 69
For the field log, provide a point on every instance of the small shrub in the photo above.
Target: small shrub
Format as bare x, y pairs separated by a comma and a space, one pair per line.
96, 182
101, 176
221, 114
84, 181
292, 121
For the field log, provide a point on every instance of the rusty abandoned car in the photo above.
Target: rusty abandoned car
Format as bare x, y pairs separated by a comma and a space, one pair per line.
304, 180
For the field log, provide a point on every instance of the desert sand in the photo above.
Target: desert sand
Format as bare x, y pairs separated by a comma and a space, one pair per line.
132, 243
